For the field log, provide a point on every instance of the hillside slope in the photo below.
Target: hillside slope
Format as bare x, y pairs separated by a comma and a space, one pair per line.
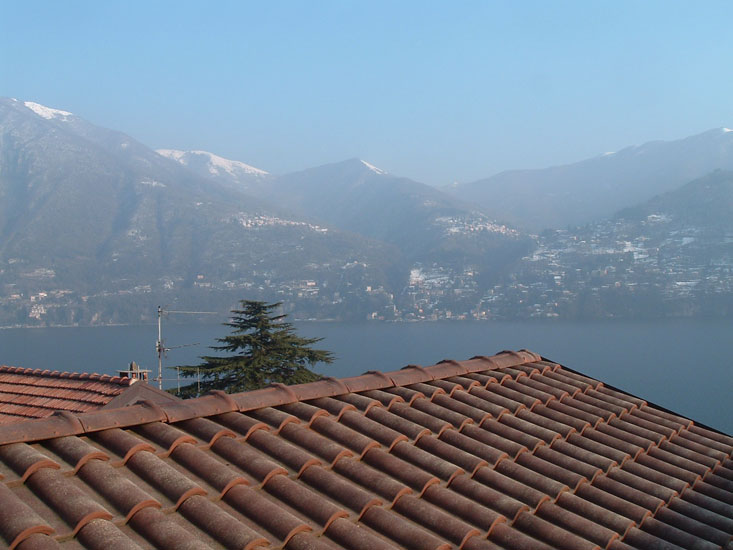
594, 189
89, 215
424, 223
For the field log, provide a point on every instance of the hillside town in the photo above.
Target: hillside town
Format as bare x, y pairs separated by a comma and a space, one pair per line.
612, 269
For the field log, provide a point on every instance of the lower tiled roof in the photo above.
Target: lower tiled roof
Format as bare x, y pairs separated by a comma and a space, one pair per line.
37, 393
503, 452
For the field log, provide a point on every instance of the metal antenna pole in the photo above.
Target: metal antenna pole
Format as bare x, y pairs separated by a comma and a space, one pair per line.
159, 348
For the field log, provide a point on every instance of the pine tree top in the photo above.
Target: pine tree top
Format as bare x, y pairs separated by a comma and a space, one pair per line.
264, 349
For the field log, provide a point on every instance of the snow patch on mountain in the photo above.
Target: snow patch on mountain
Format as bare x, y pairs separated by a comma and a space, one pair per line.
373, 168
173, 154
216, 164
229, 166
47, 112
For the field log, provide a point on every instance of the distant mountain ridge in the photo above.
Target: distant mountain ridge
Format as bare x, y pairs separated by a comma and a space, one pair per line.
596, 188
704, 202
359, 197
356, 196
94, 226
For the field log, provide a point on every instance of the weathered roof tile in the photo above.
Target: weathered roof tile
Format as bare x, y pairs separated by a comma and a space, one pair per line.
494, 453
29, 393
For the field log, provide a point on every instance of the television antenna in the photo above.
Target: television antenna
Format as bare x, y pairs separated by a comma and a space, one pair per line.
160, 347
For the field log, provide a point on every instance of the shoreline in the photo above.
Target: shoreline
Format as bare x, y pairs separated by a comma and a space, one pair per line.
407, 321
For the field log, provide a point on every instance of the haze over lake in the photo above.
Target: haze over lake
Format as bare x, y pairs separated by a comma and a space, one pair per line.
680, 365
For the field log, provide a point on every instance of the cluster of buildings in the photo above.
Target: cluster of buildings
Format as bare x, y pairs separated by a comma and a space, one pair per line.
605, 270
613, 269
472, 224
250, 221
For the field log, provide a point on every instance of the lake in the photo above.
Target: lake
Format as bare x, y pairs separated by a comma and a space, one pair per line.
681, 365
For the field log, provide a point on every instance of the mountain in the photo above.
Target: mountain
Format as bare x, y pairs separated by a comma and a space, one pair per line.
426, 224
596, 188
705, 203
356, 196
95, 227
231, 173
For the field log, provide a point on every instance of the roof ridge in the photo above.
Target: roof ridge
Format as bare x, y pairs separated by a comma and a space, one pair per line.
64, 423
67, 375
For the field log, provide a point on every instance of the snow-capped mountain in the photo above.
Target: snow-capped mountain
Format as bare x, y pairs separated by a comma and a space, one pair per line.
232, 173
95, 228
46, 112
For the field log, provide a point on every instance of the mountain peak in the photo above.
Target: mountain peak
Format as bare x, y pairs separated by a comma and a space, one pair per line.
47, 112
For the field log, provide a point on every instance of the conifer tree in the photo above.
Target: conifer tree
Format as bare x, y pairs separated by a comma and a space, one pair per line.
265, 349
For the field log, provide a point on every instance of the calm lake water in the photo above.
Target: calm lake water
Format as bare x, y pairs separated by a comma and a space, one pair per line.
685, 366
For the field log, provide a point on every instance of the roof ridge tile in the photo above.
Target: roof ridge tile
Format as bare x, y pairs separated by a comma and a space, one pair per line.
226, 398
256, 399
328, 386
409, 374
35, 429
446, 368
103, 419
370, 380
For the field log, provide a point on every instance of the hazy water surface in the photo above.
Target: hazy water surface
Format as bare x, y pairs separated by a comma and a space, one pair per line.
682, 365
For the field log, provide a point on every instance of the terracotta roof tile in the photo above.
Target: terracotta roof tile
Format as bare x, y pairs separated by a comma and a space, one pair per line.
702, 514
494, 453
493, 443
510, 537
495, 410
406, 534
29, 393
506, 484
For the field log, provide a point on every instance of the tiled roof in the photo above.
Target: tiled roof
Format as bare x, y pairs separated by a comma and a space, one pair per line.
503, 452
36, 393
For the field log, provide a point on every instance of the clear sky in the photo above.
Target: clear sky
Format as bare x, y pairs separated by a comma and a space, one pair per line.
436, 91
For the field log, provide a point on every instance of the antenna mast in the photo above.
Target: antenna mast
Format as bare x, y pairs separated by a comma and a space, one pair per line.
160, 348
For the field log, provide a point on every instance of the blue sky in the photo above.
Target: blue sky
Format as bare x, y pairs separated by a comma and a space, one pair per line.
435, 91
